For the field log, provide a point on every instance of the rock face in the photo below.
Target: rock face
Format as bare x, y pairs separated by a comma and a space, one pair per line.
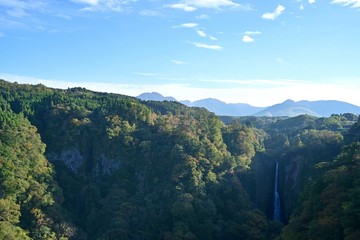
105, 165
291, 182
263, 192
70, 157
74, 161
292, 175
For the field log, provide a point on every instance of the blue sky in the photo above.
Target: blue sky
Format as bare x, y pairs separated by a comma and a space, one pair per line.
257, 52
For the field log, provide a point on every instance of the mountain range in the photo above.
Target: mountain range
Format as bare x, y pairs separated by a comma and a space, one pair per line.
290, 108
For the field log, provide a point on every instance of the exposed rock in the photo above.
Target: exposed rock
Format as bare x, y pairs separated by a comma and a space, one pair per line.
70, 157
105, 165
263, 191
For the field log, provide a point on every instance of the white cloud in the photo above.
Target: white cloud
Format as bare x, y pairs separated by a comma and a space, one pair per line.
352, 3
187, 25
178, 62
149, 13
301, 7
182, 6
252, 32
203, 16
201, 33
104, 5
247, 36
17, 8
10, 23
18, 12
213, 38
312, 1
192, 5
203, 45
64, 16
195, 26
91, 2
255, 82
258, 92
13, 3
211, 3
149, 74
247, 39
273, 15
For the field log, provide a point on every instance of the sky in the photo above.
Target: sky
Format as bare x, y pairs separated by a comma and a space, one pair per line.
256, 52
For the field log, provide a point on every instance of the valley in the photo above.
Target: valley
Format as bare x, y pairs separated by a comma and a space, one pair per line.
78, 164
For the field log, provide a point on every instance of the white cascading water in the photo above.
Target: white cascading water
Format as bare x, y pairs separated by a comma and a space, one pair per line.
277, 208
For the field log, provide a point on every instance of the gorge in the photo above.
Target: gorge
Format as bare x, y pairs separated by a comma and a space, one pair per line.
115, 167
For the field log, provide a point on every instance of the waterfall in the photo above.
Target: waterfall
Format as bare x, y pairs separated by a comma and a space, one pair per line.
277, 209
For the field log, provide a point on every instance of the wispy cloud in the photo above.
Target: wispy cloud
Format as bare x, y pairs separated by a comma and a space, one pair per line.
273, 15
192, 5
91, 2
182, 6
104, 5
178, 62
212, 3
247, 39
259, 82
252, 32
187, 25
213, 38
203, 16
352, 3
7, 23
149, 74
207, 46
197, 29
17, 8
201, 33
149, 13
312, 1
64, 16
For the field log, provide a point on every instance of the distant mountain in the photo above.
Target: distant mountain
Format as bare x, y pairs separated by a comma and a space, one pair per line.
313, 108
327, 107
154, 96
225, 109
290, 108
211, 104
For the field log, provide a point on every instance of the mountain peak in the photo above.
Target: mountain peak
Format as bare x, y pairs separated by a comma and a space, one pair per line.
290, 108
154, 96
289, 101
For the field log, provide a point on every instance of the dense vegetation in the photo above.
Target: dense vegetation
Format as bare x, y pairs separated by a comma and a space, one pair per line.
27, 188
115, 167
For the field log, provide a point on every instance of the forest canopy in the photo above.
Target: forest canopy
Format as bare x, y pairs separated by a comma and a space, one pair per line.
77, 164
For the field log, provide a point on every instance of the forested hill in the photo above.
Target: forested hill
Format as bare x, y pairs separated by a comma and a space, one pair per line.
76, 164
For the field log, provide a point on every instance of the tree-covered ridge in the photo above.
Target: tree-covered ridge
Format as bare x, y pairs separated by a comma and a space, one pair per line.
27, 204
330, 206
122, 168
148, 170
